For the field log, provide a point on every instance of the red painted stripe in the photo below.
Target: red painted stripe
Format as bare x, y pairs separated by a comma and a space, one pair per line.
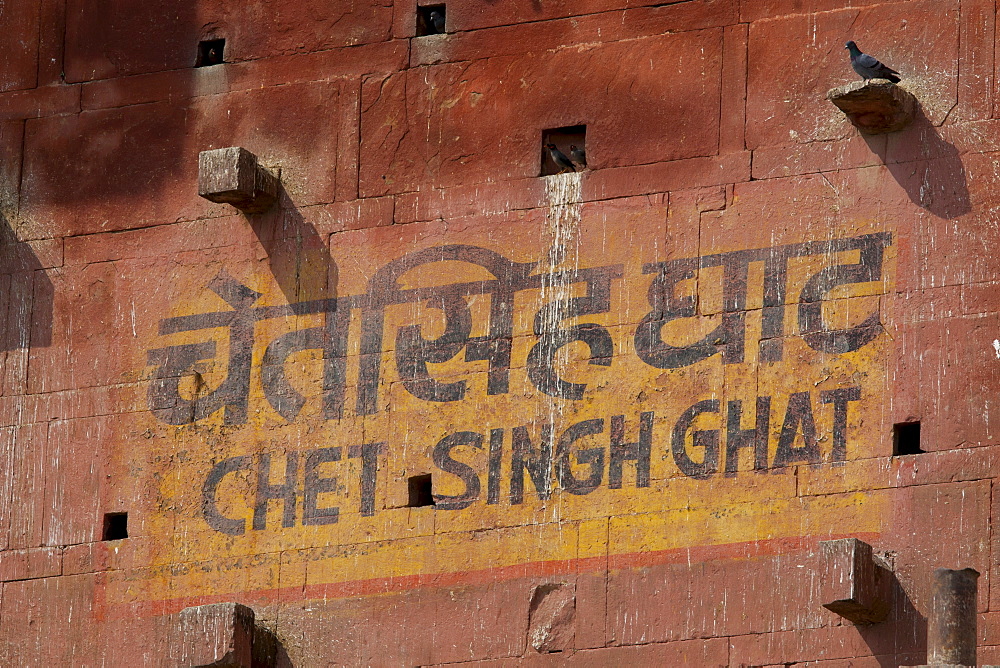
392, 584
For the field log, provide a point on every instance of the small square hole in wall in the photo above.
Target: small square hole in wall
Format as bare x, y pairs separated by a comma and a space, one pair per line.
906, 439
420, 491
115, 526
210, 52
430, 20
571, 144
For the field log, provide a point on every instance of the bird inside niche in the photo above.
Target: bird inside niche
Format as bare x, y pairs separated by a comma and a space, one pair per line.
436, 19
869, 67
562, 162
578, 155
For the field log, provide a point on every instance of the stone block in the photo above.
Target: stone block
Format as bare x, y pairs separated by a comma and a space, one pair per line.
666, 176
73, 482
768, 9
424, 127
19, 58
828, 156
855, 586
707, 652
34, 622
513, 13
234, 176
51, 43
220, 635
183, 84
977, 77
22, 506
84, 558
400, 638
113, 38
605, 26
77, 356
38, 102
643, 604
472, 200
875, 106
11, 137
110, 38
942, 191
484, 620
356, 214
923, 511
946, 368
552, 622
732, 128
812, 645
39, 562
592, 598
162, 241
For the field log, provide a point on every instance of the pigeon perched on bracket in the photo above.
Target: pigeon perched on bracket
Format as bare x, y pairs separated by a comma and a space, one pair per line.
562, 162
869, 67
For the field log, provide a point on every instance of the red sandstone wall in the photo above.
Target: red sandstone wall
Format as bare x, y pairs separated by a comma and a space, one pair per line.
708, 133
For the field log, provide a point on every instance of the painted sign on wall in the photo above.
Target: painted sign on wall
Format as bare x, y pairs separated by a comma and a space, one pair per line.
583, 387
474, 318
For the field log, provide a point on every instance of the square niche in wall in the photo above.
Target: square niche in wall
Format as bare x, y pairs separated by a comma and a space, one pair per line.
210, 52
906, 439
431, 20
571, 141
115, 526
420, 491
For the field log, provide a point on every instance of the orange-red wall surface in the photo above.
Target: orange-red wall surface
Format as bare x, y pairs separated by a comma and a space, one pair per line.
644, 391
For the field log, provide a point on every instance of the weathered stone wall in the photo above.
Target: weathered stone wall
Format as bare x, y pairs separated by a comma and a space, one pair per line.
644, 392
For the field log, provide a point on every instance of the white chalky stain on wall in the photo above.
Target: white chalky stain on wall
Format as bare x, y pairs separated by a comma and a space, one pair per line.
563, 193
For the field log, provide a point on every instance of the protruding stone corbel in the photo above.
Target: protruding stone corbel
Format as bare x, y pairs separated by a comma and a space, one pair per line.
233, 176
220, 634
224, 635
875, 106
855, 585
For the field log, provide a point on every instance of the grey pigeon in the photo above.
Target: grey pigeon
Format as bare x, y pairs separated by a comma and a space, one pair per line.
437, 21
578, 155
562, 162
869, 67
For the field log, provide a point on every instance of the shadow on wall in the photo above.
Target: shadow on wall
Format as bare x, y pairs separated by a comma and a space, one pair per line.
902, 638
298, 256
27, 294
268, 650
926, 166
125, 152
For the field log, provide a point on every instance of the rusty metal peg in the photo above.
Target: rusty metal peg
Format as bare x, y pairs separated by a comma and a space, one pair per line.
234, 176
855, 586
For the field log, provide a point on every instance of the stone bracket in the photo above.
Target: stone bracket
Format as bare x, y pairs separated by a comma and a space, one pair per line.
234, 176
855, 586
224, 635
875, 106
